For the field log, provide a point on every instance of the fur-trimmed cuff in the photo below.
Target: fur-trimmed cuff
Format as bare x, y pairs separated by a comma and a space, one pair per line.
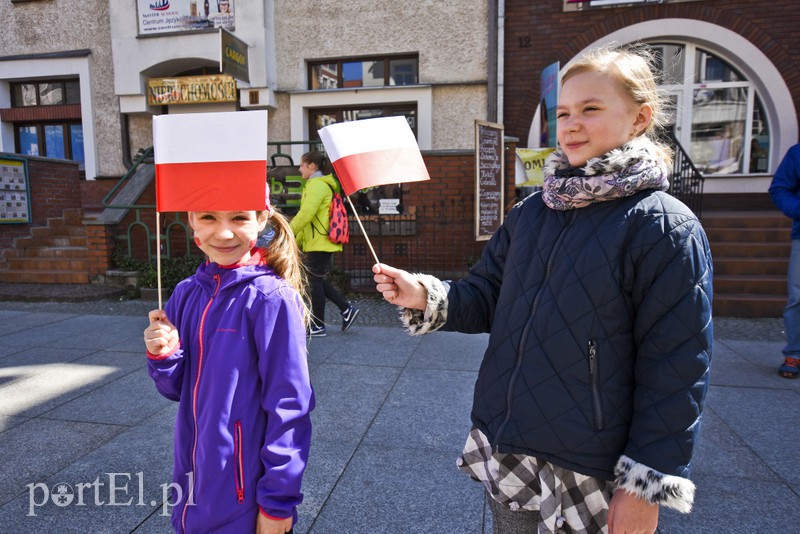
657, 488
418, 322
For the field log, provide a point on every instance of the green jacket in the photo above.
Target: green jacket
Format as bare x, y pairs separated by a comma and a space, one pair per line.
310, 225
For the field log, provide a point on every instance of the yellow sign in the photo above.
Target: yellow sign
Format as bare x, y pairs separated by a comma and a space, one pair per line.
191, 90
533, 159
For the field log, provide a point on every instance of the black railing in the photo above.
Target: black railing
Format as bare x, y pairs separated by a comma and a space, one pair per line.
685, 181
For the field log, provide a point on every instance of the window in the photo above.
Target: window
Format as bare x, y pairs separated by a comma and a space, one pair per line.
363, 72
39, 134
367, 202
63, 140
50, 93
714, 112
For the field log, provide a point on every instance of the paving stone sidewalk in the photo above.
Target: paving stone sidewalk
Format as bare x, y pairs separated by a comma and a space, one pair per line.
79, 417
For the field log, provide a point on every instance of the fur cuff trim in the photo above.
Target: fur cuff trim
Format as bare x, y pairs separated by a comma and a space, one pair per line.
433, 318
657, 488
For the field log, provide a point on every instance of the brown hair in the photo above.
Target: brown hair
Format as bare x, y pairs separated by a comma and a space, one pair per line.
319, 159
283, 255
632, 67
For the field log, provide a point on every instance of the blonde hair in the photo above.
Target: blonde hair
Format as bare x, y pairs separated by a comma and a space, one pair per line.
283, 255
632, 67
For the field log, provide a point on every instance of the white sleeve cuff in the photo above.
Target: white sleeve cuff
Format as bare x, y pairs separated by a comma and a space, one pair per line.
419, 322
654, 487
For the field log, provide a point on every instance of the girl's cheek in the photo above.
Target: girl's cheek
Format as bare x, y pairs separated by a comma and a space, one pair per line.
253, 243
198, 242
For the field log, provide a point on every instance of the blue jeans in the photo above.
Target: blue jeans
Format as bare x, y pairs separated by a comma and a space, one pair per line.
791, 314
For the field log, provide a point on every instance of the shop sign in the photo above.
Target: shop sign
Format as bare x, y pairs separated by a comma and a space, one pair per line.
579, 5
191, 90
233, 56
170, 16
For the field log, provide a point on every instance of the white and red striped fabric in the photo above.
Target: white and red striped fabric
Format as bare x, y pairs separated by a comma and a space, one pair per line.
211, 161
373, 152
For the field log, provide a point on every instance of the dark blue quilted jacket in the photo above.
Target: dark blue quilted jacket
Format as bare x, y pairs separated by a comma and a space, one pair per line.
600, 333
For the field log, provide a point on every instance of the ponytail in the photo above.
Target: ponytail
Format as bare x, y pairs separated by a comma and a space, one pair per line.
283, 255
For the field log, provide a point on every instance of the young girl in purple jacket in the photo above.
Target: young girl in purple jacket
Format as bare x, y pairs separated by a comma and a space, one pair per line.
230, 347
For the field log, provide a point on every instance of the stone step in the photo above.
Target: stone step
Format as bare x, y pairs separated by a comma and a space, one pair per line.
755, 284
49, 264
748, 305
725, 250
749, 266
33, 277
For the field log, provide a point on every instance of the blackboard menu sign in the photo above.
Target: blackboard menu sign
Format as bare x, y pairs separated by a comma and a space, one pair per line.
489, 178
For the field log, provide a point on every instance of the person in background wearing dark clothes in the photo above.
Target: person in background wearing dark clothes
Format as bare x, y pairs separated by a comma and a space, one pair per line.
785, 193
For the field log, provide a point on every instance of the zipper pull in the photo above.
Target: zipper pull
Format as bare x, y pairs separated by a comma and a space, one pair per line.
240, 495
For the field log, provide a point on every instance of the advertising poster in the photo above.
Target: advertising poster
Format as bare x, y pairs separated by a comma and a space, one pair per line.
533, 161
548, 90
14, 199
169, 16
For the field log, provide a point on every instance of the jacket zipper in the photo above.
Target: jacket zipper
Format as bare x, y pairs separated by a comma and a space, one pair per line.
597, 410
239, 459
528, 325
195, 391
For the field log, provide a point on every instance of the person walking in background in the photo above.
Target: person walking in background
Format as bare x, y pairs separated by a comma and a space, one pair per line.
230, 347
310, 227
785, 193
597, 296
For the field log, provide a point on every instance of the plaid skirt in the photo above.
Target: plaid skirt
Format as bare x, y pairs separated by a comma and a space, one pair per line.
523, 482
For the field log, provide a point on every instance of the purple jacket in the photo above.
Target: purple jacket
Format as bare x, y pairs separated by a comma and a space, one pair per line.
243, 429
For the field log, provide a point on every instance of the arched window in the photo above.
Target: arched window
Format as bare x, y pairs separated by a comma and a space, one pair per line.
715, 112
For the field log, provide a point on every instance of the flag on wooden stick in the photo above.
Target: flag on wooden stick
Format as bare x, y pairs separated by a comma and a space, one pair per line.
373, 152
211, 161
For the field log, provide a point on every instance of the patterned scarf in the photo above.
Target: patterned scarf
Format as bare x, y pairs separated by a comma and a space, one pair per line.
622, 172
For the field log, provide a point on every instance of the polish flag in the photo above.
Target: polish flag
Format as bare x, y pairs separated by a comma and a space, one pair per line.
211, 161
373, 152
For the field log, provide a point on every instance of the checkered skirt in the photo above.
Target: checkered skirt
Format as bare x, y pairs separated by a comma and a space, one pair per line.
528, 483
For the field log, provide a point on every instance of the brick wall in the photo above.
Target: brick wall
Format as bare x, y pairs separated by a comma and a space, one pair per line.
54, 185
540, 33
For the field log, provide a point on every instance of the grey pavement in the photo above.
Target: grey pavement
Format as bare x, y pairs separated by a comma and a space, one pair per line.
86, 442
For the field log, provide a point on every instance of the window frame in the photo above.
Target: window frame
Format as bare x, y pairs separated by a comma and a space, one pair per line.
339, 62
685, 90
41, 137
64, 82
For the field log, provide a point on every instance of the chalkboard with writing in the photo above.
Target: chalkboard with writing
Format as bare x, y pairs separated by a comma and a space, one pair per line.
489, 178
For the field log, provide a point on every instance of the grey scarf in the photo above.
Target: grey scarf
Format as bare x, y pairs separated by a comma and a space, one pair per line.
622, 172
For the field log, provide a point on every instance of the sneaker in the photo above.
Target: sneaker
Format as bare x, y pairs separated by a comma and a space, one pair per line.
317, 331
348, 316
790, 367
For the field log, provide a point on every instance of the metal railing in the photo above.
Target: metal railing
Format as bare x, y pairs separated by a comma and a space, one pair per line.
685, 181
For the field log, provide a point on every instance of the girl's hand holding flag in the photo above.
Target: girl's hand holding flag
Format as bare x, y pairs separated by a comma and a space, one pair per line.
399, 287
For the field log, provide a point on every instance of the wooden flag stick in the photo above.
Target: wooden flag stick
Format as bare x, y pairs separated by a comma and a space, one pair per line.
363, 232
158, 258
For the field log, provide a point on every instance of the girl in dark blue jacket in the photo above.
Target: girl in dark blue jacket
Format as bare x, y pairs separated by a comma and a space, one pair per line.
230, 347
597, 296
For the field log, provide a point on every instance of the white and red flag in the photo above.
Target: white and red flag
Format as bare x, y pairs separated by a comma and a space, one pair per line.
211, 161
373, 152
